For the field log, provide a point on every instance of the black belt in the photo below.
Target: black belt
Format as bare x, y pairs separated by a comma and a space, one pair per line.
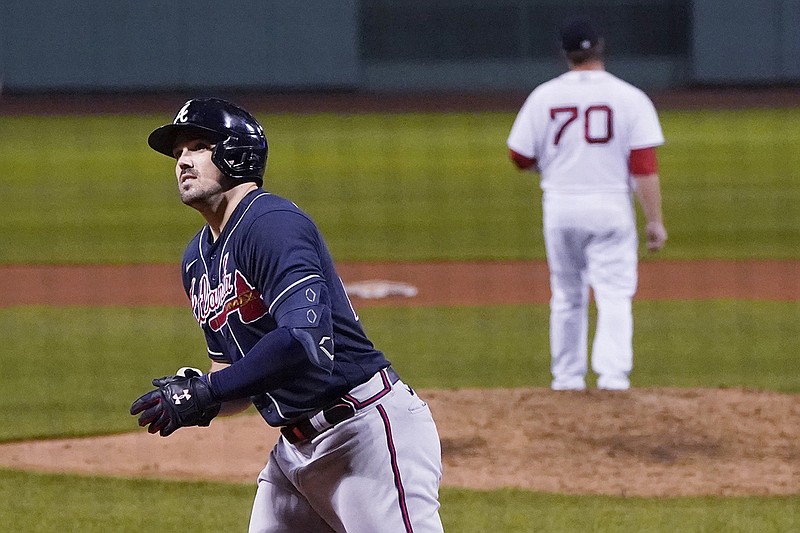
342, 409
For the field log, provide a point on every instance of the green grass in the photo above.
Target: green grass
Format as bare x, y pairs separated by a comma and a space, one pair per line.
78, 374
386, 186
75, 371
730, 183
58, 503
520, 511
676, 344
55, 503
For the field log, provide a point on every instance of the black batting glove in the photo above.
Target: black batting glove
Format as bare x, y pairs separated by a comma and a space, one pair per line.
176, 402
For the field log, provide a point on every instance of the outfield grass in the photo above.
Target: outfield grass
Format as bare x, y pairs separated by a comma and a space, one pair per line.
395, 186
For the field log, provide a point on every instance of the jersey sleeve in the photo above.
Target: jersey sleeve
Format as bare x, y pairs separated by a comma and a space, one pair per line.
521, 139
646, 128
522, 162
281, 254
306, 313
286, 262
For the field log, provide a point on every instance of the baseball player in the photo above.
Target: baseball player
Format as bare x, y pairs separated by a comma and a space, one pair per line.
359, 450
593, 138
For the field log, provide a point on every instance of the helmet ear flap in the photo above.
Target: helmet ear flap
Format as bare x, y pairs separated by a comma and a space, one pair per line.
239, 161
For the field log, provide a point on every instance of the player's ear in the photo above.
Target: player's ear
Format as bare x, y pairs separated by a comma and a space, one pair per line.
600, 46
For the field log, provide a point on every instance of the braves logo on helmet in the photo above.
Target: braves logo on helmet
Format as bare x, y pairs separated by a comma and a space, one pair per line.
183, 114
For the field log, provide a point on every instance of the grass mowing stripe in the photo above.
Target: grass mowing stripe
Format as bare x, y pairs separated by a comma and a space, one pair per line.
717, 343
406, 186
45, 503
75, 371
54, 503
520, 511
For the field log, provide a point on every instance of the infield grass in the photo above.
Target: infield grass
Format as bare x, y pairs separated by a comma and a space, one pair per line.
50, 389
37, 503
52, 375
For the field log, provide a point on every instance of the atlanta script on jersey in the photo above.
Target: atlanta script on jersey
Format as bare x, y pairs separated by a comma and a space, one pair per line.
270, 268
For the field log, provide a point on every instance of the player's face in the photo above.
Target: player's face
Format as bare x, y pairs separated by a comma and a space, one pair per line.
199, 179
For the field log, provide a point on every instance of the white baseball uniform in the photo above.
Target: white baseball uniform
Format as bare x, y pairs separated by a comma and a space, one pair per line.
581, 127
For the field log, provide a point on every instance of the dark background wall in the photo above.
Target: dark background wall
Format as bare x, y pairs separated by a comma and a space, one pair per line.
152, 44
757, 41
376, 45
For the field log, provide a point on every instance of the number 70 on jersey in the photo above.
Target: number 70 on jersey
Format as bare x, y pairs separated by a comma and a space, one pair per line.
596, 121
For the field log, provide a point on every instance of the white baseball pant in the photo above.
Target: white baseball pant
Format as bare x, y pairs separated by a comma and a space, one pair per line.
377, 471
591, 242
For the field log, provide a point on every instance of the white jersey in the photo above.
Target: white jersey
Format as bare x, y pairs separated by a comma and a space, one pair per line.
581, 127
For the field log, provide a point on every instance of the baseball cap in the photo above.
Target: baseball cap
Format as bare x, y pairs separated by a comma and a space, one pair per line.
578, 34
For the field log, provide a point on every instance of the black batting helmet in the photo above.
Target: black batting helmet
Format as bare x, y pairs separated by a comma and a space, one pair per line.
240, 149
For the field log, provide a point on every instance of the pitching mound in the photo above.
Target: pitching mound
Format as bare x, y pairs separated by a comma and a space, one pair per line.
643, 442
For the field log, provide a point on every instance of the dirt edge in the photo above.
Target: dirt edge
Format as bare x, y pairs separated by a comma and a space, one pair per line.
650, 442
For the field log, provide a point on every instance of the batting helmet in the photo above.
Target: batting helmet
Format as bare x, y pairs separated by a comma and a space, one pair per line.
240, 149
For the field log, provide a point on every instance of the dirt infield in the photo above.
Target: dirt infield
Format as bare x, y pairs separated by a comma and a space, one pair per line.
445, 283
643, 442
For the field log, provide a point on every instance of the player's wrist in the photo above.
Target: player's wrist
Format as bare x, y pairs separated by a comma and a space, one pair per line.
210, 384
209, 404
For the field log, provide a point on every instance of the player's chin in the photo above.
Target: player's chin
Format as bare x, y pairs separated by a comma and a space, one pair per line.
187, 199
190, 194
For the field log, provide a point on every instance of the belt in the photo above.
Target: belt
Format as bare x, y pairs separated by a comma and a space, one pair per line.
347, 406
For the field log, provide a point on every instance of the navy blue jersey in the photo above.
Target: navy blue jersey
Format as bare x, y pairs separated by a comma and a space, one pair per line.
271, 268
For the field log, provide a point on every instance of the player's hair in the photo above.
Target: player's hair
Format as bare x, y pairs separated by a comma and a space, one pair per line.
579, 57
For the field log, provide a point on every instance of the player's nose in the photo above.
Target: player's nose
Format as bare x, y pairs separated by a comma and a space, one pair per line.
182, 156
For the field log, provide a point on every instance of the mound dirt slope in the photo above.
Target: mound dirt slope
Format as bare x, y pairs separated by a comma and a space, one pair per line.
642, 442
